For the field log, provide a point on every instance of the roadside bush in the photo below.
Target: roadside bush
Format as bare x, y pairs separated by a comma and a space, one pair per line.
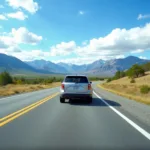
145, 89
132, 80
18, 81
40, 80
119, 74
109, 80
5, 78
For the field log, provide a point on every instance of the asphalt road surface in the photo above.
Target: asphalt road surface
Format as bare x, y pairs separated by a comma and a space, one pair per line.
37, 120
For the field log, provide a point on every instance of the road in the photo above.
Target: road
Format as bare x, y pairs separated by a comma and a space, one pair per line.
37, 120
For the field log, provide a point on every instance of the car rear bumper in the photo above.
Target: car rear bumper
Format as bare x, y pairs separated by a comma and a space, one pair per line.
75, 96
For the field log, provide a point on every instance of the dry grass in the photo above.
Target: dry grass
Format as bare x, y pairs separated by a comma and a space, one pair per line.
139, 81
124, 88
12, 89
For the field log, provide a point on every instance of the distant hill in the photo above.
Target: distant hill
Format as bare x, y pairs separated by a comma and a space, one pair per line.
47, 66
105, 68
97, 68
14, 65
111, 66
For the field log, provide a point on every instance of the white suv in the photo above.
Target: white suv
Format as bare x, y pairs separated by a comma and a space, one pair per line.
76, 87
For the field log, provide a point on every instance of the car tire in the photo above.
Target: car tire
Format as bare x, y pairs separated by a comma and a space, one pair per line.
62, 100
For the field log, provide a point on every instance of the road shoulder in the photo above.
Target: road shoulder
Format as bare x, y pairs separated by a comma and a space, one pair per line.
138, 111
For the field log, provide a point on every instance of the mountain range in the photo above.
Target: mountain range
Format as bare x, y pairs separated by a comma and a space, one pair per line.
16, 66
97, 68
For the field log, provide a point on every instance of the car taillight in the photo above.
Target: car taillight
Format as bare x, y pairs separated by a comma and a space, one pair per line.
89, 86
63, 86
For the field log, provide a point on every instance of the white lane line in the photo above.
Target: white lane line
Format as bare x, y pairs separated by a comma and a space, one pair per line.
142, 131
22, 94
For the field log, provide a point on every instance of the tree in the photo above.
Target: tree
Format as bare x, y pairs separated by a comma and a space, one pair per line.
146, 66
122, 74
135, 71
5, 78
119, 74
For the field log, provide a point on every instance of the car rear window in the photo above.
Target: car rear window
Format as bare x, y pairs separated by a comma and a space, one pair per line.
76, 79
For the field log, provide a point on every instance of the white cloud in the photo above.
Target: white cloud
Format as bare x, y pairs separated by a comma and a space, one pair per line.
63, 48
26, 55
120, 56
114, 45
137, 51
1, 6
28, 5
1, 27
9, 44
140, 16
142, 57
85, 42
22, 35
17, 15
119, 41
2, 17
87, 60
31, 55
78, 60
81, 12
6, 41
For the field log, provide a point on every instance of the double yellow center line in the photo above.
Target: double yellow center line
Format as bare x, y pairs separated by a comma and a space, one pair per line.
24, 110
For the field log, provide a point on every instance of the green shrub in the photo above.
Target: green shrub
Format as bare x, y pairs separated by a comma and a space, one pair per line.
19, 81
109, 80
132, 80
5, 78
145, 89
119, 74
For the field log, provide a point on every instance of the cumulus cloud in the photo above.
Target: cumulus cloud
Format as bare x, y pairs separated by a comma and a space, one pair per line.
22, 35
3, 45
6, 41
137, 51
140, 16
17, 15
2, 17
9, 44
29, 5
119, 41
31, 55
64, 48
114, 45
26, 55
19, 36
142, 57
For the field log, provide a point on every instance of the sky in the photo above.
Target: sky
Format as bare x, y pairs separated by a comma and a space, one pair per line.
75, 31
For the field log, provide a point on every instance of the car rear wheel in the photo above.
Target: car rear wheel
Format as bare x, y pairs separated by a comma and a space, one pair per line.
62, 100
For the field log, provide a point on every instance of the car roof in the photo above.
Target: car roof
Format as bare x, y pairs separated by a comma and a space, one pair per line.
76, 75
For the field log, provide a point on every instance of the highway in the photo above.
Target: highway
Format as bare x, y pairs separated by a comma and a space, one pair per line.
37, 120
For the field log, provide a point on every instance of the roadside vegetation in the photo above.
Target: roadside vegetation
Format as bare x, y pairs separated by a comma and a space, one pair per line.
10, 85
133, 83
